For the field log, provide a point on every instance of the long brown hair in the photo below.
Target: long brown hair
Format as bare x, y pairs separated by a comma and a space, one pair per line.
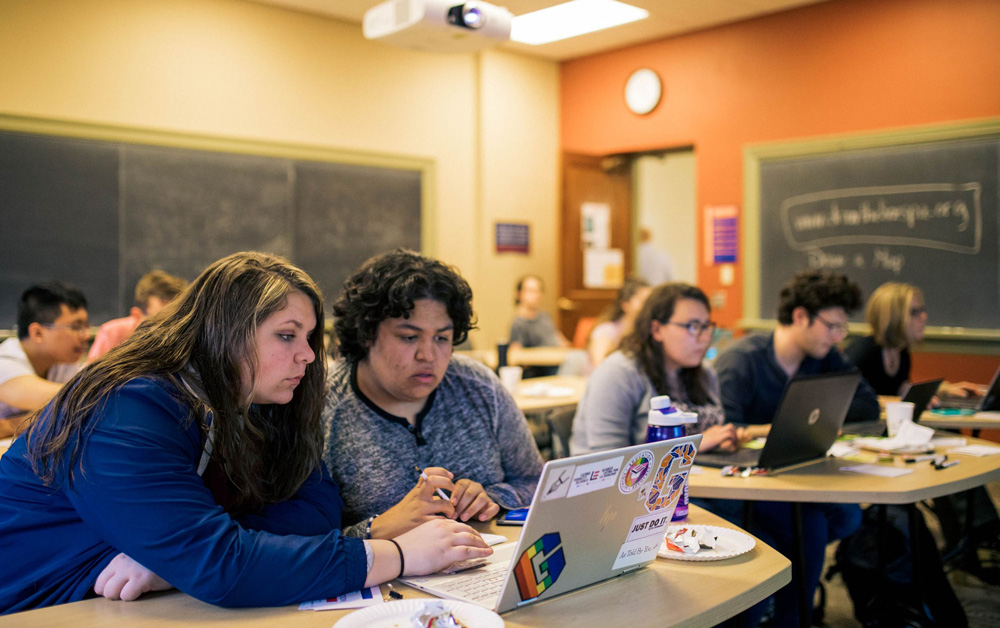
202, 342
648, 352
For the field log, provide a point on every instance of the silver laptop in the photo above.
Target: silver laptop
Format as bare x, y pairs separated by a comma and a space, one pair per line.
807, 421
592, 517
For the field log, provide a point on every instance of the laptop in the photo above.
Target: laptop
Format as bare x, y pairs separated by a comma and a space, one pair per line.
807, 422
987, 403
920, 395
593, 517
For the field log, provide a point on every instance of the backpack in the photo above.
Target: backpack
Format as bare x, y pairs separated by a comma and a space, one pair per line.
892, 599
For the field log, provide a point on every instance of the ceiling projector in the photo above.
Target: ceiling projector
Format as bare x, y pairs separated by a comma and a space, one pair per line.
438, 25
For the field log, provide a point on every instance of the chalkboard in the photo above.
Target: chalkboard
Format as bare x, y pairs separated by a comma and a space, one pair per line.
924, 213
101, 213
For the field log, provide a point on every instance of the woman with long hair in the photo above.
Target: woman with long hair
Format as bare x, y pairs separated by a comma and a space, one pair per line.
664, 355
191, 455
617, 321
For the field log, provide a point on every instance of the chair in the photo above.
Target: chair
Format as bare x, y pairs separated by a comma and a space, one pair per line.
582, 332
560, 424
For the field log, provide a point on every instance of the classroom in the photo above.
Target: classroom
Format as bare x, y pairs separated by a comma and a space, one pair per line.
495, 135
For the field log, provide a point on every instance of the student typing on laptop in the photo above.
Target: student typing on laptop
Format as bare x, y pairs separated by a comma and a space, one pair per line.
399, 399
898, 317
812, 317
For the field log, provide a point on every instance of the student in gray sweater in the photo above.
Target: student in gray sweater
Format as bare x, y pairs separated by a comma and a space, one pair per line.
400, 403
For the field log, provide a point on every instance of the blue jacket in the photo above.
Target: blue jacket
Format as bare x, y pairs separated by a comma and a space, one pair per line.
139, 493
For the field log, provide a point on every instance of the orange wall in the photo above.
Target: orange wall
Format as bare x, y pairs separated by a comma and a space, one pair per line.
844, 66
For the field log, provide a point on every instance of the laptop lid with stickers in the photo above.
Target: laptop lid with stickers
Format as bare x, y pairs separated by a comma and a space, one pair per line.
593, 517
597, 516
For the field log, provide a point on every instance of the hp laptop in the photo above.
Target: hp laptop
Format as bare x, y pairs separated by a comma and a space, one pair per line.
987, 403
592, 517
809, 417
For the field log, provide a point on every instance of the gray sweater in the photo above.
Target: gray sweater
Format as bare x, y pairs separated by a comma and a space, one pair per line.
470, 426
614, 408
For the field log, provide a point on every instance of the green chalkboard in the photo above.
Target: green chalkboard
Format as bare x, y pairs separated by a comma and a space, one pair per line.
99, 211
915, 207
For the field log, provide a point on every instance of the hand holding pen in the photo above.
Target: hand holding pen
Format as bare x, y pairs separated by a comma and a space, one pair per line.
424, 502
469, 499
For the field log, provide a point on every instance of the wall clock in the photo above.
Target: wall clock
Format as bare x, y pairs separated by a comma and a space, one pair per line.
643, 91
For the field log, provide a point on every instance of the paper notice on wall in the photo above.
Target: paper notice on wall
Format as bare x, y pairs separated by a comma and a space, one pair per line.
603, 268
595, 224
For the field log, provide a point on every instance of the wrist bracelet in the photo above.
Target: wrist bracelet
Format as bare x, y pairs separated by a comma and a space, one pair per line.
402, 561
368, 527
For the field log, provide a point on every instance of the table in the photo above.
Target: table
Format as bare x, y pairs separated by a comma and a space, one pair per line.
823, 481
668, 593
533, 395
531, 356
977, 421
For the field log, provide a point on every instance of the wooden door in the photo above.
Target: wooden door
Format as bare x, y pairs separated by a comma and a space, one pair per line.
589, 179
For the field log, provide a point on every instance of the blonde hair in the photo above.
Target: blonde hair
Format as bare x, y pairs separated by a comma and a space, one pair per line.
159, 284
888, 313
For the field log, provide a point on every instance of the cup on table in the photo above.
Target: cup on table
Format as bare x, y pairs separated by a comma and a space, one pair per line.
896, 414
510, 377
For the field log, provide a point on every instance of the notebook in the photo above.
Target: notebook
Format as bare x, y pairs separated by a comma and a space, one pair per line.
808, 419
988, 402
593, 517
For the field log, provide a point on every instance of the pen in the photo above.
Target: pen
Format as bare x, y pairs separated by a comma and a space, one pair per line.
440, 492
920, 458
945, 465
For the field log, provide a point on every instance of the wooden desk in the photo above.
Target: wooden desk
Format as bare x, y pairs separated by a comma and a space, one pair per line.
533, 356
825, 482
669, 593
573, 385
977, 421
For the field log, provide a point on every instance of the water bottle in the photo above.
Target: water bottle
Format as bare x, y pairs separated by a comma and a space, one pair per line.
665, 423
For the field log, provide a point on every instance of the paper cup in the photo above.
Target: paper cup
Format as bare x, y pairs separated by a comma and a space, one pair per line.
510, 377
896, 414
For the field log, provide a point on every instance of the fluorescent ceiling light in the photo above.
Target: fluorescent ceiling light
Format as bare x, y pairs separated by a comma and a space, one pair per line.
570, 19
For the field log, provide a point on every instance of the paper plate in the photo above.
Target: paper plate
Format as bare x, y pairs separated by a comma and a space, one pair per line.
398, 614
730, 543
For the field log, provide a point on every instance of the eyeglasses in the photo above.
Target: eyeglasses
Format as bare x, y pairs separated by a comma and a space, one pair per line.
840, 329
81, 327
696, 328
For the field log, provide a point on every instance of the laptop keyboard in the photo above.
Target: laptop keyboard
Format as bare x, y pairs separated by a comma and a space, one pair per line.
481, 585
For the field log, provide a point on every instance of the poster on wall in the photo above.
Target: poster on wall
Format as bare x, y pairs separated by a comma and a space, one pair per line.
595, 224
603, 268
721, 234
512, 237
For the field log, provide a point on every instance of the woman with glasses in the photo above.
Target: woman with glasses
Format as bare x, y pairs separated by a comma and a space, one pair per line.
663, 355
898, 318
191, 456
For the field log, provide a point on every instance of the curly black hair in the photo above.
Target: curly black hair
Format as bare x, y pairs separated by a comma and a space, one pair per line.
817, 290
386, 286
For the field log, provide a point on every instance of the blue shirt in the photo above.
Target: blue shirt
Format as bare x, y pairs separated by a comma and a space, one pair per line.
135, 489
752, 381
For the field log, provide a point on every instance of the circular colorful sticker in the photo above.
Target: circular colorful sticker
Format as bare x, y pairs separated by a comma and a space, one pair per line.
635, 471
